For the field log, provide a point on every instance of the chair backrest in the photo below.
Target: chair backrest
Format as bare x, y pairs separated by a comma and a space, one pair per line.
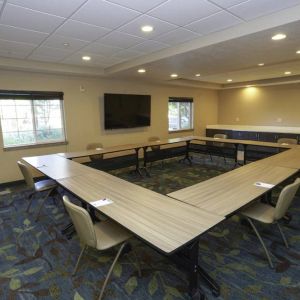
82, 223
26, 174
94, 146
287, 141
285, 199
154, 139
219, 136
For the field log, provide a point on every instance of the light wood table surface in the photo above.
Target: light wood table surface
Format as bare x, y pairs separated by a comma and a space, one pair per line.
288, 159
57, 167
226, 193
165, 223
244, 142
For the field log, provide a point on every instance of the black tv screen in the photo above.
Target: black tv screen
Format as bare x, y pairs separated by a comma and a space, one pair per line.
126, 111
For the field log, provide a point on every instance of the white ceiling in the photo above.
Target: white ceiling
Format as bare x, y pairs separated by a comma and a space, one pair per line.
62, 31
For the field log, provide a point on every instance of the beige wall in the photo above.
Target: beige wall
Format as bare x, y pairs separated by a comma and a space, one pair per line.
260, 106
84, 112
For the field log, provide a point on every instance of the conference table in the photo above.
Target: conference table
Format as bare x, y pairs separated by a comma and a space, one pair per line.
168, 225
173, 223
227, 193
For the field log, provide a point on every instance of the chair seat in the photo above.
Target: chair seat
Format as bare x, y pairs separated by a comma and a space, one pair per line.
260, 212
110, 234
44, 185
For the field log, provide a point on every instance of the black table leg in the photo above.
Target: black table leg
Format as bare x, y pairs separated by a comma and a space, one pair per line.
245, 154
145, 161
187, 156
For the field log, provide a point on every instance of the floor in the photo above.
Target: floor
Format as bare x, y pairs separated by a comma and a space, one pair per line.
37, 261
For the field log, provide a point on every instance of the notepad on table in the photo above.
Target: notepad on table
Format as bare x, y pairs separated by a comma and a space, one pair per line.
264, 185
101, 202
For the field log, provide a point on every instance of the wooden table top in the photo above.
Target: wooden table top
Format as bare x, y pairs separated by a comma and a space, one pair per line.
226, 193
165, 223
288, 159
245, 142
57, 167
121, 148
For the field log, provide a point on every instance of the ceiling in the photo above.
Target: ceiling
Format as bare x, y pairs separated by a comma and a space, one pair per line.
220, 39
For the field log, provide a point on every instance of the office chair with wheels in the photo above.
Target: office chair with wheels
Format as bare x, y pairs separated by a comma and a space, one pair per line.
268, 214
101, 236
48, 185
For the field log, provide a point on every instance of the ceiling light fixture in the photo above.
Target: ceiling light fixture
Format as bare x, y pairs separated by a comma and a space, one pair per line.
261, 64
198, 75
278, 37
147, 28
229, 80
287, 73
141, 70
86, 58
66, 44
298, 52
174, 75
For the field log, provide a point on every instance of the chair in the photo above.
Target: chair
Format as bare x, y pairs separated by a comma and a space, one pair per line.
217, 146
94, 146
272, 215
156, 149
101, 236
287, 141
48, 185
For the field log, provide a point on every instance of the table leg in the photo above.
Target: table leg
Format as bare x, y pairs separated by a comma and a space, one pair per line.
187, 156
145, 162
245, 154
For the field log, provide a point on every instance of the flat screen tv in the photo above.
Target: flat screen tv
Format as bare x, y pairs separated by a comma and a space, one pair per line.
126, 111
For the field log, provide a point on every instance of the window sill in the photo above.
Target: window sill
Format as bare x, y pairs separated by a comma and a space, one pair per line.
23, 147
181, 130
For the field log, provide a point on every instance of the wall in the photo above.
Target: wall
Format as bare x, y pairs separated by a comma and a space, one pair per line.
260, 106
84, 112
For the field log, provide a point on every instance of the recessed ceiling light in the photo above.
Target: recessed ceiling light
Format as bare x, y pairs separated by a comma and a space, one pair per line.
147, 28
261, 64
279, 36
66, 44
298, 52
229, 80
86, 58
198, 75
141, 70
287, 73
174, 75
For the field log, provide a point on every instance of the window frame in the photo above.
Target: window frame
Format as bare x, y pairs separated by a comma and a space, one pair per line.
31, 96
182, 100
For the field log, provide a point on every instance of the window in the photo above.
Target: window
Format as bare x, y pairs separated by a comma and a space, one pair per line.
31, 118
180, 114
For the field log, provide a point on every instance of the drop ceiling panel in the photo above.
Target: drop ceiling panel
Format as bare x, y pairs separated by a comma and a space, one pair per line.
55, 7
177, 36
100, 49
104, 14
215, 22
159, 26
182, 12
82, 31
29, 19
59, 54
21, 35
1, 3
227, 3
76, 59
58, 41
149, 46
128, 54
15, 49
44, 58
120, 39
140, 5
253, 9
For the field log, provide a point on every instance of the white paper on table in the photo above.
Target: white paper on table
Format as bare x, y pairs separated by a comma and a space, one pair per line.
264, 185
284, 144
101, 202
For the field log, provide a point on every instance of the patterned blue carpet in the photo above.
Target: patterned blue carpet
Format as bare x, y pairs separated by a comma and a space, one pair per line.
37, 261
